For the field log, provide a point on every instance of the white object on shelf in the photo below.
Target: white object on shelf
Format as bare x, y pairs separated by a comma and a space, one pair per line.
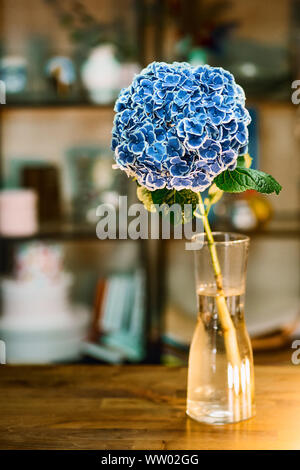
56, 343
101, 74
39, 324
39, 261
32, 305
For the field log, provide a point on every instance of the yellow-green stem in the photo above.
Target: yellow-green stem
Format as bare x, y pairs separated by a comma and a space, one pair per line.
228, 327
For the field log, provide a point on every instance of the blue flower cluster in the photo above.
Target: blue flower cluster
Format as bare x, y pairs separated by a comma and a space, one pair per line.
179, 126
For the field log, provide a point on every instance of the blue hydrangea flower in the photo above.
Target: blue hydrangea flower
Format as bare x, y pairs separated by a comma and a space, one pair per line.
179, 126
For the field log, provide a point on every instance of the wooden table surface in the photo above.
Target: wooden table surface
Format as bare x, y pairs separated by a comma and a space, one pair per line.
136, 407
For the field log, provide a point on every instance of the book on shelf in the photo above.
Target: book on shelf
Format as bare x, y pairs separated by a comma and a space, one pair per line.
118, 327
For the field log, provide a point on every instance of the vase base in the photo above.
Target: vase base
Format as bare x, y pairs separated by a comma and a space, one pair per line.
215, 414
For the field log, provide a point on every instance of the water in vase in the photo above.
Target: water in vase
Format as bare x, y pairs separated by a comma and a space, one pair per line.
219, 392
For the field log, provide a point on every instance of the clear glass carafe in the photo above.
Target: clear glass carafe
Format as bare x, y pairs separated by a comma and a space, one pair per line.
220, 375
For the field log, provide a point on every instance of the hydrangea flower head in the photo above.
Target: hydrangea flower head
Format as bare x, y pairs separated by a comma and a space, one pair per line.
179, 126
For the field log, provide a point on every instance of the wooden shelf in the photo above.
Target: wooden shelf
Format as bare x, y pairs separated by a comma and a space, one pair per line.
252, 101
288, 229
62, 231
51, 105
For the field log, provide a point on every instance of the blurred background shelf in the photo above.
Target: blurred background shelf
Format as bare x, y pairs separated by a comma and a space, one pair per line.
31, 105
62, 231
280, 226
64, 63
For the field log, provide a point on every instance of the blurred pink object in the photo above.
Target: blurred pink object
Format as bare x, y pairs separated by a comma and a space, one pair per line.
18, 212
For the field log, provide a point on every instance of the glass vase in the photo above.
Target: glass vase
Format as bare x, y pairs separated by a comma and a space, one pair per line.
220, 373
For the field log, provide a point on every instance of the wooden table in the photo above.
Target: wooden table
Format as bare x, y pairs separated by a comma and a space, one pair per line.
136, 407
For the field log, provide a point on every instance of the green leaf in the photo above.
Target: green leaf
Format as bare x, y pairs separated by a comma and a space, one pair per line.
165, 198
241, 179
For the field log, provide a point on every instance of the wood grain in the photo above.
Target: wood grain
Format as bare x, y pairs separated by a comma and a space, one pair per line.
136, 407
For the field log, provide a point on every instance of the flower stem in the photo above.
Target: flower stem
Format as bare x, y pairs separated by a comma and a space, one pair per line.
230, 338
